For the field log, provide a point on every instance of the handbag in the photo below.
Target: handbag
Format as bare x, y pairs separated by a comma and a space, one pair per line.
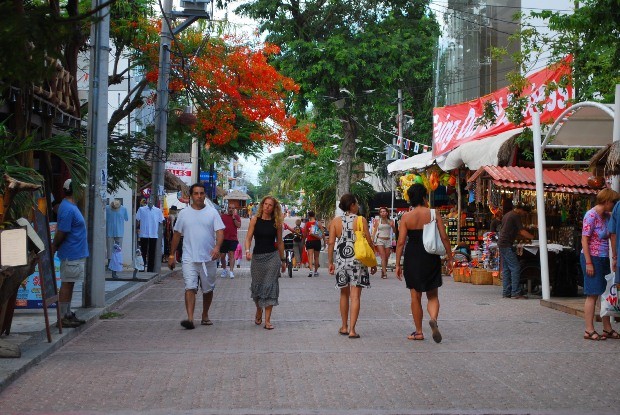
431, 238
362, 249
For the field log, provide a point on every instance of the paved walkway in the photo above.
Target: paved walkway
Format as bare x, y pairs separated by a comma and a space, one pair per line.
28, 325
499, 356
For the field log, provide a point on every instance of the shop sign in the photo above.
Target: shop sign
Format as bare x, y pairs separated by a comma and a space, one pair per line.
455, 125
29, 294
181, 170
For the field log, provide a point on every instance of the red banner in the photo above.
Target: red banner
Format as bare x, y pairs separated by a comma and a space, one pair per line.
455, 124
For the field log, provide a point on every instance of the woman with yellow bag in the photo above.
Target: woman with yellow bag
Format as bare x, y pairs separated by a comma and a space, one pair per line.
351, 274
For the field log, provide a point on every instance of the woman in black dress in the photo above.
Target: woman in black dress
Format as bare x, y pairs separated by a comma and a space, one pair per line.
267, 258
422, 270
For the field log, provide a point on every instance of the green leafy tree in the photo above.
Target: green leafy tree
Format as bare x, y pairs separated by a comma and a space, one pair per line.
350, 58
589, 34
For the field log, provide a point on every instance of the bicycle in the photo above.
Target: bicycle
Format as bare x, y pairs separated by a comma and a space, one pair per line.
288, 253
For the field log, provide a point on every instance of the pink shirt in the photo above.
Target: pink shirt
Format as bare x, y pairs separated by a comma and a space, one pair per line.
595, 227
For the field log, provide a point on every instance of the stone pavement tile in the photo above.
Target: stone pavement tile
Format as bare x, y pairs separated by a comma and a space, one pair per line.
498, 356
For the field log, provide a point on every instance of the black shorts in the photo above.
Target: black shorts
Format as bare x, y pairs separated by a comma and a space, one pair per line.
313, 244
228, 246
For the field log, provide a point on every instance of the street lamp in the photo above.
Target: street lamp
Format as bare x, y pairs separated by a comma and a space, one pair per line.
192, 11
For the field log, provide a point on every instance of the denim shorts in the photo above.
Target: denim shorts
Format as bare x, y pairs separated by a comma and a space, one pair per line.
595, 284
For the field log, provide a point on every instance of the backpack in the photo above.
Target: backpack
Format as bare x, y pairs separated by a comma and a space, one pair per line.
316, 231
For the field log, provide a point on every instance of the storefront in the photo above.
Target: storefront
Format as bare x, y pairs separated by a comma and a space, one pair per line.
567, 197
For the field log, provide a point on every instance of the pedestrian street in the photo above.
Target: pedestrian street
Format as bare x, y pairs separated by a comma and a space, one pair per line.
497, 356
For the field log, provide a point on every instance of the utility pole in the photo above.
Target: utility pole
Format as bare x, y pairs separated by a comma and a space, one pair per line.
193, 11
161, 121
93, 294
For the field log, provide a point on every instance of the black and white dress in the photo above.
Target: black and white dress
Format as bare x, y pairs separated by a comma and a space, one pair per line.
349, 271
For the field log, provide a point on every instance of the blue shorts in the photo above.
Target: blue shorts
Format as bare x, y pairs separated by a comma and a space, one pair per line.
595, 284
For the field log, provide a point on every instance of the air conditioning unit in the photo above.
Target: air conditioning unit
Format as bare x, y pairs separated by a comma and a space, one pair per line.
195, 5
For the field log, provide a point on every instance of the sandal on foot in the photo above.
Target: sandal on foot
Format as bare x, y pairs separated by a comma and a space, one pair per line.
206, 322
354, 336
592, 335
268, 326
258, 321
384, 276
416, 336
344, 333
613, 334
436, 333
189, 325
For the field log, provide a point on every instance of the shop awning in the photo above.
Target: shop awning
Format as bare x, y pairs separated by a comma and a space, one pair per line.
560, 181
473, 155
419, 161
590, 125
478, 153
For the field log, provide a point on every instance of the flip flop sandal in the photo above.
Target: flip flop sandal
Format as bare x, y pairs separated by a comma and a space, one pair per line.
189, 325
613, 334
416, 336
384, 276
435, 329
206, 322
592, 335
344, 333
269, 327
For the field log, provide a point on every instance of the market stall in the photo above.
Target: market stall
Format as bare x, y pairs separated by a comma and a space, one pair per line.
236, 199
568, 194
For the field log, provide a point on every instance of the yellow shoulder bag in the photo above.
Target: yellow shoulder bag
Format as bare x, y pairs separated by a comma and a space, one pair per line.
363, 251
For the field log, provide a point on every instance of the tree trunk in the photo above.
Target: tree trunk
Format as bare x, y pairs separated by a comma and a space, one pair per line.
347, 152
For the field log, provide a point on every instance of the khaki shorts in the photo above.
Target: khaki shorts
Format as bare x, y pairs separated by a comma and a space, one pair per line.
199, 273
72, 271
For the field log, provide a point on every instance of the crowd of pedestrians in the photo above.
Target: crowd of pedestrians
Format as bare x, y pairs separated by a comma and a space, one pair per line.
206, 237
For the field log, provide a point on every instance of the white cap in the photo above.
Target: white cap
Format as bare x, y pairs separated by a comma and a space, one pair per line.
67, 185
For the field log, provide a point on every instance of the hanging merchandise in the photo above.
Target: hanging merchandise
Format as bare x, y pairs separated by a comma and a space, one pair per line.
433, 181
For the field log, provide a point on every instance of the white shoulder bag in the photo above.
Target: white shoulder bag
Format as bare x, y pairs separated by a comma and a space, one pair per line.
431, 238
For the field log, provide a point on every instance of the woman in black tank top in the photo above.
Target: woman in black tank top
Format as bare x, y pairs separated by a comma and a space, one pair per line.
267, 258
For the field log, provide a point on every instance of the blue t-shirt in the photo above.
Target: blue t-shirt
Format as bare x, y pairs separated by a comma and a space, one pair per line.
71, 222
115, 221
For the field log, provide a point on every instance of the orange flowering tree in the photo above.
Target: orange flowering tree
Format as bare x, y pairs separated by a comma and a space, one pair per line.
240, 100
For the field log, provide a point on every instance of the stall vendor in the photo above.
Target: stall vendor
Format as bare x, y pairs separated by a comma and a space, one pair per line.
512, 227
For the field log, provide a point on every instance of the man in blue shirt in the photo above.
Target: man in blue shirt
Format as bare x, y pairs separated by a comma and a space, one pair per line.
72, 248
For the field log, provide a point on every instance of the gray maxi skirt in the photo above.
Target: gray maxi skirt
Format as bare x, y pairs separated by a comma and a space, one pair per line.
265, 272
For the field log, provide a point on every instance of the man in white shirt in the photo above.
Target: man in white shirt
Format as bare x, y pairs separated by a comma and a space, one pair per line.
149, 218
203, 233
